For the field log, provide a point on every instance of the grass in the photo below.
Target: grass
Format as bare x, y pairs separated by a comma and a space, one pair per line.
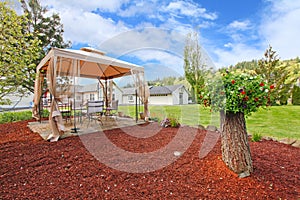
186, 114
277, 121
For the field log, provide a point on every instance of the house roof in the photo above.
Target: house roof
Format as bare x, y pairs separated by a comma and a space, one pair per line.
93, 87
159, 90
128, 91
89, 88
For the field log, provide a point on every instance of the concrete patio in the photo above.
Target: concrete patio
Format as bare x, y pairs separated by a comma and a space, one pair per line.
84, 126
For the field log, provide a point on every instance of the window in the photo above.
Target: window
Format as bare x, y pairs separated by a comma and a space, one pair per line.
130, 98
92, 97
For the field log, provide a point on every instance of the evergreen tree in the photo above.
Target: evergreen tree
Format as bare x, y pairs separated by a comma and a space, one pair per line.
48, 29
273, 73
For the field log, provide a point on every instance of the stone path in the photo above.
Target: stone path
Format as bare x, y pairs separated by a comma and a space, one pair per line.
84, 127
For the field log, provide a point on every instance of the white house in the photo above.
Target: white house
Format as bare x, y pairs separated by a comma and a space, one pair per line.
168, 95
159, 95
94, 91
128, 96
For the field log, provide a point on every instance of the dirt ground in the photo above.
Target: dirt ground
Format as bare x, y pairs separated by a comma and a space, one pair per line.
32, 168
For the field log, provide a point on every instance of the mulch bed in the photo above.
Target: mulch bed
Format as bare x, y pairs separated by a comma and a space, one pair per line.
31, 168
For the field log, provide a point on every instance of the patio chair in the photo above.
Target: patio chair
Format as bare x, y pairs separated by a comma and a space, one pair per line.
65, 110
110, 111
95, 108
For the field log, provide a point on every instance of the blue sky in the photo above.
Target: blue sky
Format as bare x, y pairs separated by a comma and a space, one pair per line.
152, 33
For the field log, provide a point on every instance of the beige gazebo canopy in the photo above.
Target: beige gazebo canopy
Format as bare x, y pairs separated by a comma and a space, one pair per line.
65, 64
91, 63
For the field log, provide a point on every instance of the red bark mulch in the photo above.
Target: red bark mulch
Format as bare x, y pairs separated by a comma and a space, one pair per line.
31, 168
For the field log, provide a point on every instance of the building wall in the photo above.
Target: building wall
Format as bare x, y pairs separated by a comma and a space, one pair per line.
128, 99
87, 96
176, 95
118, 94
161, 100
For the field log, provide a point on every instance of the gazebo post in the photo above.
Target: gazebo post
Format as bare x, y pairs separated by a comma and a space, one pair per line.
136, 108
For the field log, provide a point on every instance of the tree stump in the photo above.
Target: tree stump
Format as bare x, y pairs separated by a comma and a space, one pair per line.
235, 147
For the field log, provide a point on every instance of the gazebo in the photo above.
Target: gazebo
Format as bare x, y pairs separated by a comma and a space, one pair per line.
61, 67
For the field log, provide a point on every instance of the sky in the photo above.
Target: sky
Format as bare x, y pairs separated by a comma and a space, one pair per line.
152, 33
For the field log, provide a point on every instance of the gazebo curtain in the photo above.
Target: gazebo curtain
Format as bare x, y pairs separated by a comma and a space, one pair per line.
142, 90
60, 79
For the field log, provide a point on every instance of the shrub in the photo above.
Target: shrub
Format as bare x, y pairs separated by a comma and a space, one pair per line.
15, 116
170, 122
174, 122
256, 137
45, 113
155, 119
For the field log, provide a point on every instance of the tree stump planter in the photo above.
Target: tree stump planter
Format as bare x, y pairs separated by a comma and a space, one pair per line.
235, 147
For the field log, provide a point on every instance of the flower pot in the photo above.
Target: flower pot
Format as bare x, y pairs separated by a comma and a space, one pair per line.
142, 116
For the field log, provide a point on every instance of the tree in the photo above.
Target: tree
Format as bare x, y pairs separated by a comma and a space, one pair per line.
48, 29
238, 95
195, 68
18, 49
273, 73
296, 95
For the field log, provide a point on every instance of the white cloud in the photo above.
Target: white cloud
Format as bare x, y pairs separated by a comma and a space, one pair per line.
280, 28
111, 5
167, 59
87, 27
144, 39
237, 53
239, 25
83, 26
188, 9
138, 8
228, 45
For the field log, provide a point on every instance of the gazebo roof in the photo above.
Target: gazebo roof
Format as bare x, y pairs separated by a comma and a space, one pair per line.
93, 64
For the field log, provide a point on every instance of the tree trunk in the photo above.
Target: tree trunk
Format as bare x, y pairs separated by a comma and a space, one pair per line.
235, 147
222, 120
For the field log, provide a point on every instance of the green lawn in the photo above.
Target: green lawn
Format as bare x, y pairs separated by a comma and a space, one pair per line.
277, 121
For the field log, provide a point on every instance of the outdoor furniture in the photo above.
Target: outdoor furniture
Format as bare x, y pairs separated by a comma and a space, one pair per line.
95, 108
65, 110
109, 111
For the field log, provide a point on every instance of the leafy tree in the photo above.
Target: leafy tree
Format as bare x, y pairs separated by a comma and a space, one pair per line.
195, 68
238, 95
296, 95
48, 29
18, 49
171, 80
273, 73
